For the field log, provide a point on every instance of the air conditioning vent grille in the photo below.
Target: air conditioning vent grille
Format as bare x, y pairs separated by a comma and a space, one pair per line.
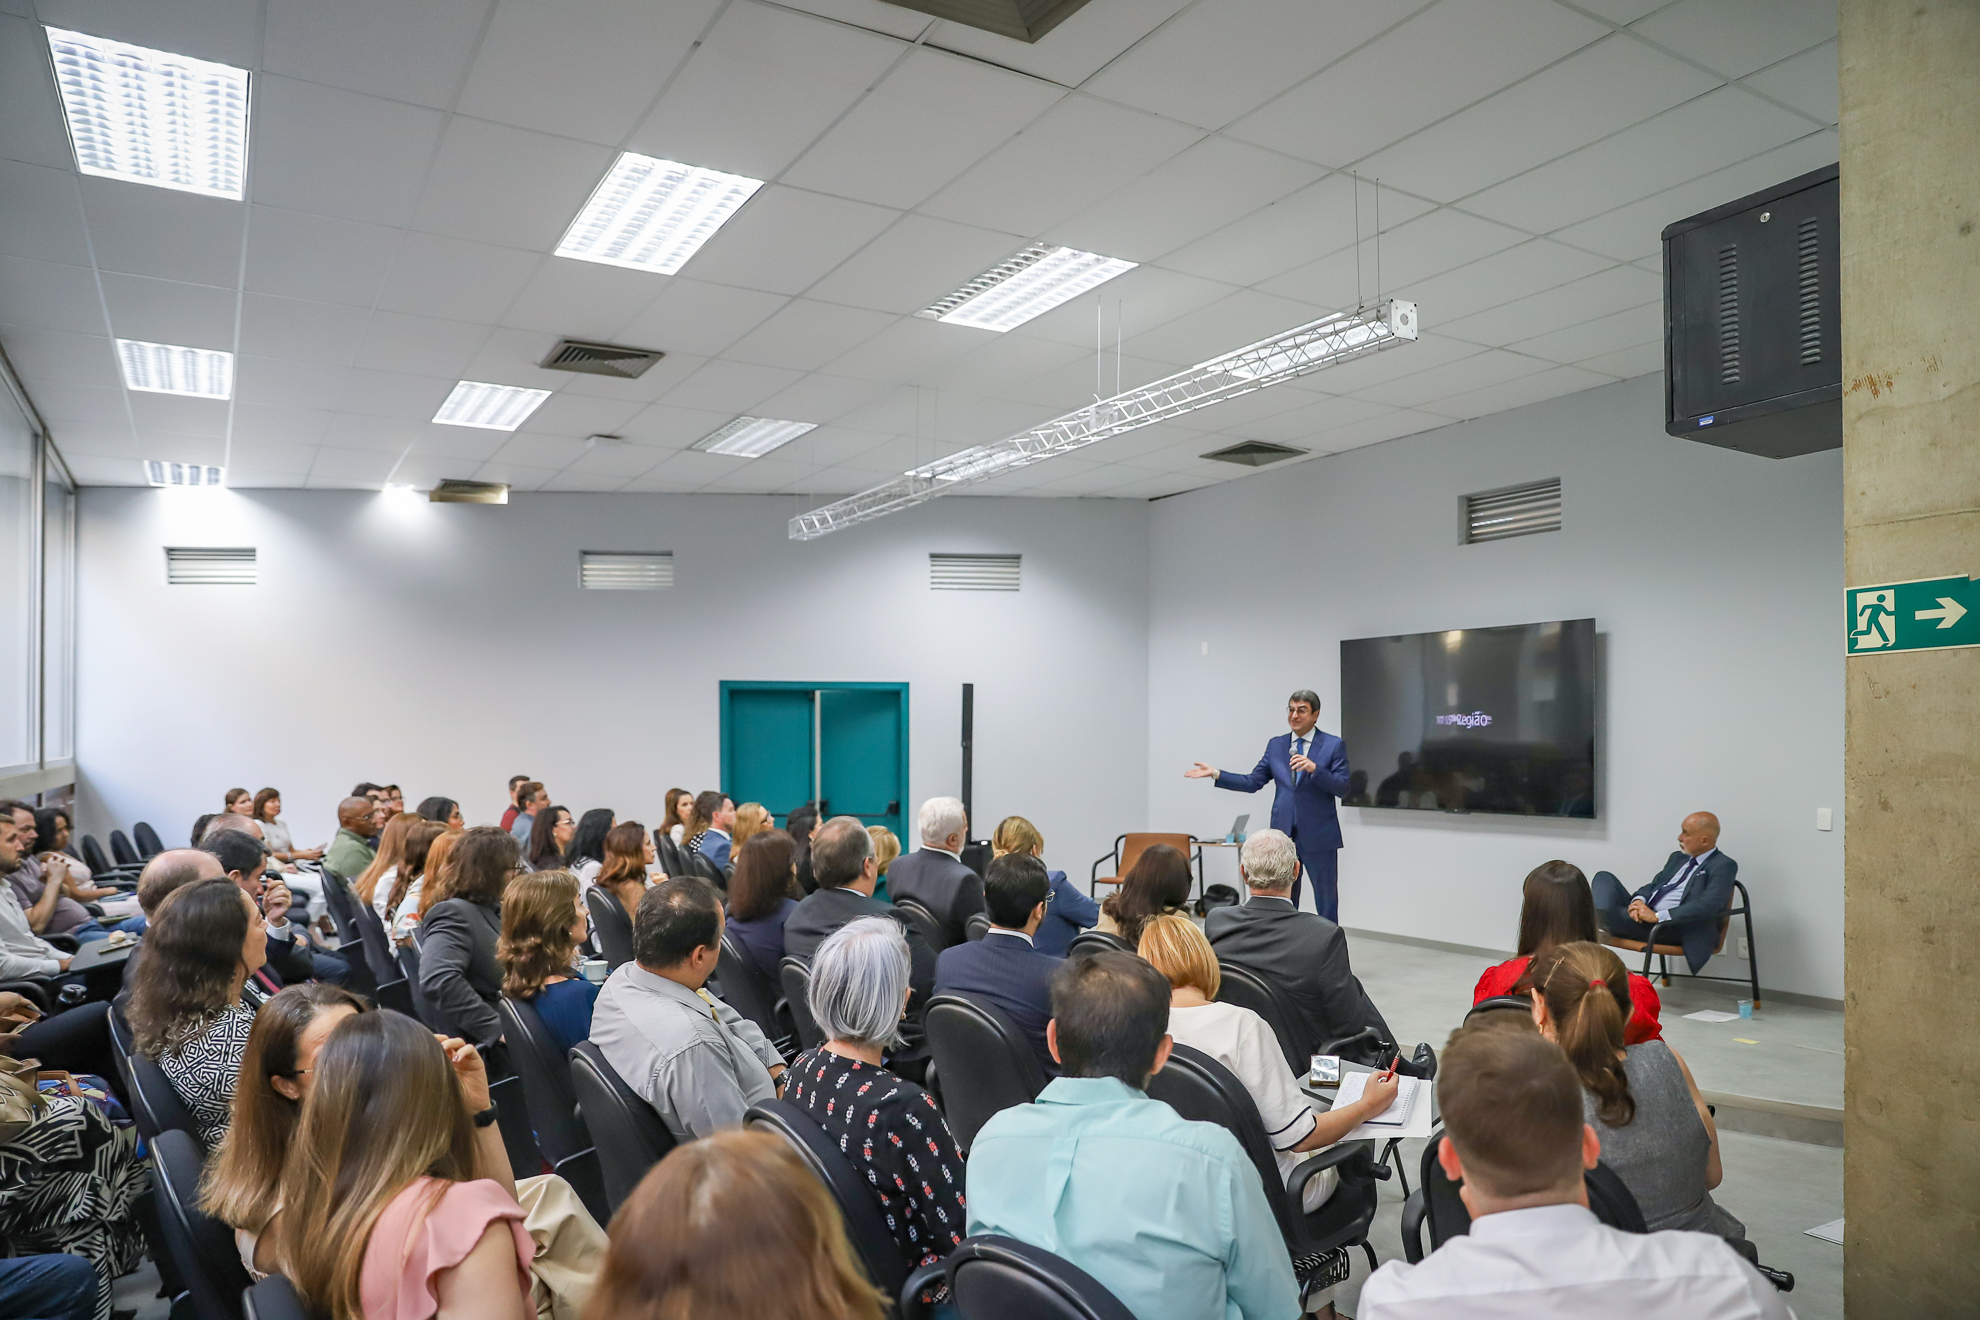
1809, 283
1253, 453
209, 566
1729, 314
613, 570
974, 572
1499, 515
469, 492
594, 359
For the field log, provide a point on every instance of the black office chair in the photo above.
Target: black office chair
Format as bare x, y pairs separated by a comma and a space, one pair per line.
1436, 1203
1238, 984
669, 855
984, 1062
392, 990
148, 843
747, 990
976, 925
155, 1106
209, 1265
925, 925
343, 907
865, 1226
423, 1008
1097, 941
693, 863
101, 868
620, 1122
35, 992
795, 973
121, 850
1201, 1089
610, 926
274, 1298
996, 1278
1498, 1004
544, 1070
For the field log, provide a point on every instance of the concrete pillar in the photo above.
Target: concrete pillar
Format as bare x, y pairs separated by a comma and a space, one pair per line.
1910, 72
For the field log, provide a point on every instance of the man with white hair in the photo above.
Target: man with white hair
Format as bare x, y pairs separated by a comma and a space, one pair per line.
934, 875
1305, 954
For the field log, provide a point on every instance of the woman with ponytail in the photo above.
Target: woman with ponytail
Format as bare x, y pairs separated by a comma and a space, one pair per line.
1656, 1132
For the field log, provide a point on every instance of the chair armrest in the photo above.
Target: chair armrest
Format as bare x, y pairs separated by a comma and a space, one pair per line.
66, 943
918, 1283
1368, 1034
1412, 1226
1344, 1156
35, 992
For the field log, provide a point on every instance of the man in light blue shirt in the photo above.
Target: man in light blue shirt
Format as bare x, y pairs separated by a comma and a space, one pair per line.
1168, 1214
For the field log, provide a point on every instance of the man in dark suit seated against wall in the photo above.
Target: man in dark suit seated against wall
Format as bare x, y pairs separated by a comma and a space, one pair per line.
843, 863
1687, 898
1002, 969
1303, 953
933, 875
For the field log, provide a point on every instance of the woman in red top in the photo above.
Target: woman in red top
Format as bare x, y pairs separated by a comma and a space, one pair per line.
1557, 908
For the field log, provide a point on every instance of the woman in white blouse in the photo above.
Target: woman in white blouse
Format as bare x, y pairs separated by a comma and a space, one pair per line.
267, 809
1240, 1040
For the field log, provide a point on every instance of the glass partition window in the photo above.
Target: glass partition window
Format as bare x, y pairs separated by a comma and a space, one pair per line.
20, 508
58, 611
37, 599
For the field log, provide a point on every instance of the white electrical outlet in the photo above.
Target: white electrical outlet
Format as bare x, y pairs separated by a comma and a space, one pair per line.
1206, 648
1742, 946
1825, 818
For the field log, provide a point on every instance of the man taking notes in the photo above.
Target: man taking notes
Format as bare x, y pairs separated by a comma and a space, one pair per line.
1309, 770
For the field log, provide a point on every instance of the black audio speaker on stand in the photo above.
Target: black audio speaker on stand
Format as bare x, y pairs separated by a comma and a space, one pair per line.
976, 852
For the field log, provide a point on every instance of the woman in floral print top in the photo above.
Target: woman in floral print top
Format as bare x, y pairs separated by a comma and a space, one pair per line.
888, 1127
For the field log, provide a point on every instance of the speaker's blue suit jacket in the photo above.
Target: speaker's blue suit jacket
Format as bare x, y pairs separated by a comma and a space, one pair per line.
1309, 804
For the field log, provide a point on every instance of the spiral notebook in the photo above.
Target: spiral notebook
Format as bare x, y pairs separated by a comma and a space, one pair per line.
1407, 1116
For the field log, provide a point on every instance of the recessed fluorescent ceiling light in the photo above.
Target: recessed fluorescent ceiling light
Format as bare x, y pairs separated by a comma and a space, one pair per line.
203, 373
751, 437
149, 116
161, 473
491, 407
1030, 284
654, 214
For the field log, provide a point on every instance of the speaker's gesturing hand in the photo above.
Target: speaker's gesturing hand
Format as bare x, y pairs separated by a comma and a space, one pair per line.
1200, 771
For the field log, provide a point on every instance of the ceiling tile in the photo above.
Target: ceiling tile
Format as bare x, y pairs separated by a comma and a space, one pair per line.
822, 398
760, 88
1475, 371
1807, 82
297, 255
1427, 68
50, 296
423, 345
164, 312
670, 428
542, 451
1622, 11
1629, 362
265, 426
1432, 350
1081, 45
302, 330
784, 239
92, 470
152, 413
1243, 318
731, 387
339, 153
61, 357
907, 349
1415, 250
805, 335
1736, 39
873, 15
1611, 84
343, 468
1194, 192
67, 406
289, 384
515, 357
495, 184
1389, 426
575, 416
917, 261
384, 435
1517, 272
692, 316
668, 372
1292, 231
696, 469
1006, 361
39, 214
1548, 384
621, 461
163, 234
1305, 427
1140, 300
1615, 289
582, 299
1220, 58
373, 393
455, 280
1627, 329
930, 119
459, 445
409, 52
31, 128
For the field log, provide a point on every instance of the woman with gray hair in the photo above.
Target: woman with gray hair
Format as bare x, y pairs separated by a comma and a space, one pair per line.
887, 1126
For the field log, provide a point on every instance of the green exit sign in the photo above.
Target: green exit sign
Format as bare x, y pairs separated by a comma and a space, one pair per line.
1930, 614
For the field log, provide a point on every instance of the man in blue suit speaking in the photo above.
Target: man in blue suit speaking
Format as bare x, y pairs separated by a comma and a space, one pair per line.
1308, 770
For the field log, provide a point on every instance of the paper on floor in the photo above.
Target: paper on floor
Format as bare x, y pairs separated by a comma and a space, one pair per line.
1712, 1015
1829, 1232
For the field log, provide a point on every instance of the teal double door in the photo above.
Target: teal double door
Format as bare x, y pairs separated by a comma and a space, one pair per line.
844, 745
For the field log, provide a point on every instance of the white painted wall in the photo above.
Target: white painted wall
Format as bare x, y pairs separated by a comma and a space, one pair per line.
446, 647
1713, 578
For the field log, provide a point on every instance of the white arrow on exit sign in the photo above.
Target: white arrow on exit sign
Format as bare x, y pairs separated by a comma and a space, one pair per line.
1951, 612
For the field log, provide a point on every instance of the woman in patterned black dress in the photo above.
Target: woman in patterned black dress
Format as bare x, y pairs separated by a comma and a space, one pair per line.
888, 1127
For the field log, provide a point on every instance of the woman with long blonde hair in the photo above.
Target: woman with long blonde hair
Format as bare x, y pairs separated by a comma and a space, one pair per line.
1067, 911
751, 818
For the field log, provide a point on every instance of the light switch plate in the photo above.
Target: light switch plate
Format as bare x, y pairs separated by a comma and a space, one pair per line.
1825, 818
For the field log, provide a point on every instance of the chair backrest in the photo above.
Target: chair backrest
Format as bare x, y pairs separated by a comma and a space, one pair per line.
697, 864
1611, 1200
545, 1070
424, 1008
983, 1060
120, 848
620, 1122
273, 1298
925, 925
201, 1246
1238, 984
149, 845
795, 974
865, 1225
668, 854
976, 925
1097, 941
1133, 845
155, 1106
745, 988
1447, 1216
1498, 1004
93, 855
610, 924
1204, 1091
999, 1276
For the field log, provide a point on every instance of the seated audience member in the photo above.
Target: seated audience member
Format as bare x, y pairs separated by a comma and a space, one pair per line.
23, 953
697, 1061
398, 1202
373, 885
435, 885
1657, 1133
243, 1180
1555, 908
441, 811
680, 805
1515, 1136
1301, 952
842, 861
586, 855
752, 818
1167, 1214
886, 847
628, 852
714, 819
1686, 899
543, 922
887, 1126
193, 1002
933, 875
1240, 1040
800, 825
240, 802
56, 1286
515, 802
409, 878
351, 852
267, 812
551, 833
171, 870
394, 800
200, 823
763, 893
691, 1239
52, 889
244, 861
532, 798
1067, 912
1158, 882
458, 969
1003, 969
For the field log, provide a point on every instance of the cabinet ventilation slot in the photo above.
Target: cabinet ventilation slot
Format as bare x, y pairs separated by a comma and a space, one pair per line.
1810, 270
1729, 314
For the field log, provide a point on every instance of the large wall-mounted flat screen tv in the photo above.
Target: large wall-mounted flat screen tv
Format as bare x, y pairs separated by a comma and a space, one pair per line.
1474, 719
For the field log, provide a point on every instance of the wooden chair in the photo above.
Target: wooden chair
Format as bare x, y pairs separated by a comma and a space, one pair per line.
1740, 905
1128, 849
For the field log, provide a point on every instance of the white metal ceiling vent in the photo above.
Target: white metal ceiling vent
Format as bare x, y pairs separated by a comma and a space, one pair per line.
209, 566
973, 572
1499, 515
601, 359
613, 570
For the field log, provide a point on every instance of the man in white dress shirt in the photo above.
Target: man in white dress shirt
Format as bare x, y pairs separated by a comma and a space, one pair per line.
1513, 1132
